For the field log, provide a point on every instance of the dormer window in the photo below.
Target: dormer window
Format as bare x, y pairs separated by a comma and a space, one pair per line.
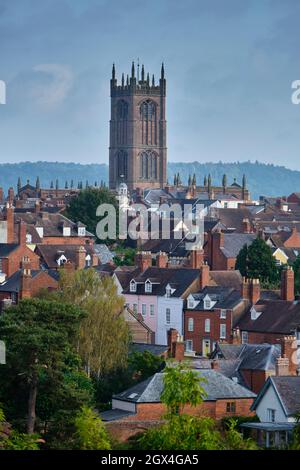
255, 314
66, 231
81, 231
207, 304
168, 291
28, 238
190, 302
40, 231
88, 260
132, 286
61, 260
148, 286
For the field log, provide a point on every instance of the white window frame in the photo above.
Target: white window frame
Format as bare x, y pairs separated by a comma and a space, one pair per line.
222, 328
148, 287
144, 310
190, 303
152, 310
135, 308
223, 313
189, 345
190, 324
207, 304
207, 325
245, 337
132, 286
271, 415
168, 316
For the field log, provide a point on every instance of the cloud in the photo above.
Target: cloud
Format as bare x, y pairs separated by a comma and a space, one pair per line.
49, 93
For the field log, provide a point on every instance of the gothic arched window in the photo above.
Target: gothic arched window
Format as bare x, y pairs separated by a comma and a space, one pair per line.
122, 110
148, 165
121, 166
148, 122
148, 110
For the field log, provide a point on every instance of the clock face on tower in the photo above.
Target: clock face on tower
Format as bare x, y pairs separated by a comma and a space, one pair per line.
138, 152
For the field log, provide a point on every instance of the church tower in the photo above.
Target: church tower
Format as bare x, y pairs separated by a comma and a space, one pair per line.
138, 151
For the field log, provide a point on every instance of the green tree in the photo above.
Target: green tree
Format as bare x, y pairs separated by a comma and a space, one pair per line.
182, 386
90, 432
104, 334
38, 333
124, 256
83, 208
257, 262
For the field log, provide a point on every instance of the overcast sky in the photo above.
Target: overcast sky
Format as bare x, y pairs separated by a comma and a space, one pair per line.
229, 67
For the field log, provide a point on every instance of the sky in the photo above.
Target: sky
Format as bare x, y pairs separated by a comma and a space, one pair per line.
229, 67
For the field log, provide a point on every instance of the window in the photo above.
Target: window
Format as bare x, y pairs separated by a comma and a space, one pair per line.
1, 265
88, 261
189, 345
122, 110
121, 164
190, 324
230, 407
168, 291
244, 337
207, 304
271, 414
168, 316
81, 231
66, 231
144, 309
190, 303
132, 286
222, 331
152, 310
207, 325
135, 308
148, 165
148, 286
223, 314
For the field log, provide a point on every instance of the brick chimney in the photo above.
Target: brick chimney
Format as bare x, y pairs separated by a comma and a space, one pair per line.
196, 258
162, 260
68, 266
215, 365
217, 241
143, 260
282, 366
95, 259
251, 290
22, 233
1, 194
175, 345
289, 351
10, 223
80, 257
11, 196
25, 287
288, 284
204, 276
246, 226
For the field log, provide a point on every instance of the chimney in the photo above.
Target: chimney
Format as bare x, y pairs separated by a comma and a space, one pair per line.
175, 345
68, 266
11, 196
217, 241
282, 366
25, 287
204, 276
162, 260
288, 284
246, 226
22, 233
251, 290
196, 258
37, 207
1, 195
80, 257
215, 365
95, 259
289, 351
143, 260
10, 223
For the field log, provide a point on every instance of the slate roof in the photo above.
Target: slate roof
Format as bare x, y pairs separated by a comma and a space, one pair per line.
216, 386
233, 218
278, 316
115, 414
50, 253
180, 278
232, 279
288, 392
155, 349
7, 248
234, 242
12, 283
225, 297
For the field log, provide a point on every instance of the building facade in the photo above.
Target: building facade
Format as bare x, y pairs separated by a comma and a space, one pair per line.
138, 152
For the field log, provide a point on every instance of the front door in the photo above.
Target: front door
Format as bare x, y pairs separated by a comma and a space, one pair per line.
206, 347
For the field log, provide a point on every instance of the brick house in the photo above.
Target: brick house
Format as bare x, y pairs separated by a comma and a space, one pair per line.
140, 406
11, 256
225, 247
55, 256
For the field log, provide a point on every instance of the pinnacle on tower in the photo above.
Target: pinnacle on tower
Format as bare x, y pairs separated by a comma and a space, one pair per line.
153, 80
132, 70
122, 80
143, 74
113, 74
162, 71
148, 79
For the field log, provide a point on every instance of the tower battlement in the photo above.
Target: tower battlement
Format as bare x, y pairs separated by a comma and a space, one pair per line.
137, 85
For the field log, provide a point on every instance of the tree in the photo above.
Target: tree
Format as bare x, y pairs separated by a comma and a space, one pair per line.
19, 185
125, 256
181, 386
296, 267
257, 262
90, 432
83, 207
104, 334
38, 334
37, 184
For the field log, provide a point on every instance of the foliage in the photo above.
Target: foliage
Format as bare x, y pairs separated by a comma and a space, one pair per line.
38, 336
21, 441
83, 208
104, 334
257, 262
124, 257
181, 386
296, 267
90, 432
141, 366
234, 440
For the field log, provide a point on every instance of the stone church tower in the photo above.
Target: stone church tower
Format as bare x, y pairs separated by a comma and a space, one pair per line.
138, 152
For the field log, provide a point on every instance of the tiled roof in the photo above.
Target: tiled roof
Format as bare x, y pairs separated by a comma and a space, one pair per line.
216, 386
289, 390
225, 297
234, 242
50, 253
7, 248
